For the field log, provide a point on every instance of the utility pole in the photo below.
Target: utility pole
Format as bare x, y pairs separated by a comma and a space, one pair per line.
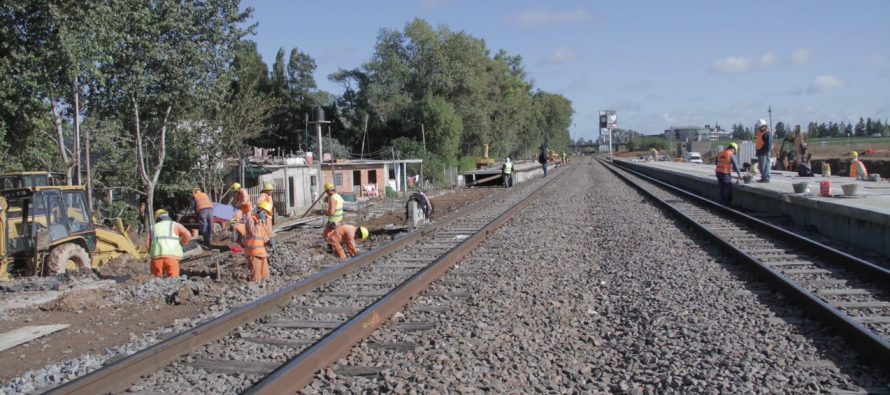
770, 111
422, 135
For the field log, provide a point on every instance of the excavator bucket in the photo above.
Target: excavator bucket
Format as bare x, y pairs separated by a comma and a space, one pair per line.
111, 243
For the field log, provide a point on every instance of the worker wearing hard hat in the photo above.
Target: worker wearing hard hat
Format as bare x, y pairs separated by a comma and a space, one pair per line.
242, 201
266, 205
253, 237
346, 235
763, 145
726, 163
165, 245
857, 167
506, 173
204, 208
334, 211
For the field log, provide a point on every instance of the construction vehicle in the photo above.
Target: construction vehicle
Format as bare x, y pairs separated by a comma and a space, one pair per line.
48, 230
792, 151
27, 179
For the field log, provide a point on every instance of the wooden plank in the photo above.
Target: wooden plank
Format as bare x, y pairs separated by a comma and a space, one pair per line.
862, 305
258, 368
331, 310
789, 263
298, 343
414, 326
845, 291
27, 333
876, 319
806, 271
304, 324
354, 294
359, 371
395, 346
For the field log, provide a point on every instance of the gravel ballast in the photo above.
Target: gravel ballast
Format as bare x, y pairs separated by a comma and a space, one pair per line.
593, 289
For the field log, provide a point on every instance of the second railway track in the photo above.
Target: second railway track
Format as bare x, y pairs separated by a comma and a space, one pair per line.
850, 294
277, 344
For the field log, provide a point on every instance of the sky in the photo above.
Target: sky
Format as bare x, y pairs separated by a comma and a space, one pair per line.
657, 63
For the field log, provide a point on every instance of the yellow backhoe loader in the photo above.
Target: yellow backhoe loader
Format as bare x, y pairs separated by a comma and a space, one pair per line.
48, 230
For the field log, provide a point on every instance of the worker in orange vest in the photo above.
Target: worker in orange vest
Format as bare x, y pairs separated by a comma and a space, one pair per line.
726, 163
346, 235
857, 167
165, 245
253, 239
264, 201
204, 208
242, 201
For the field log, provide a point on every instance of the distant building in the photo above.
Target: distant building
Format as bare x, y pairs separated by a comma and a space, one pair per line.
695, 133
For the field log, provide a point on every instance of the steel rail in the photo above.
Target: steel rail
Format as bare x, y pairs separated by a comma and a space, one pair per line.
120, 375
864, 339
300, 371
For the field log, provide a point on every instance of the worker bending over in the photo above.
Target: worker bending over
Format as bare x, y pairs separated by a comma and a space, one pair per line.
253, 239
857, 167
204, 208
165, 245
266, 197
242, 201
726, 163
346, 235
334, 211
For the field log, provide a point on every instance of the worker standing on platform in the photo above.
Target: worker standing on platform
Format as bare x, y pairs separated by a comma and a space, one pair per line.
346, 235
507, 172
204, 208
857, 167
542, 159
264, 201
763, 146
165, 245
726, 163
334, 211
242, 201
253, 239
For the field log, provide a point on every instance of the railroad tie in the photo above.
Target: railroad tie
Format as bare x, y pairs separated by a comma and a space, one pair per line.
256, 368
304, 324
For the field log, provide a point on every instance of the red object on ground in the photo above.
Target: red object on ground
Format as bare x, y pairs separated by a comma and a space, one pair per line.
236, 250
825, 188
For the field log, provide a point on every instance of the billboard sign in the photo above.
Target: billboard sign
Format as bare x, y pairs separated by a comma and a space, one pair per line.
608, 119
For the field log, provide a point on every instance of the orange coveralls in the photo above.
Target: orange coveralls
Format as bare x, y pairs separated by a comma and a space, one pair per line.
345, 235
253, 239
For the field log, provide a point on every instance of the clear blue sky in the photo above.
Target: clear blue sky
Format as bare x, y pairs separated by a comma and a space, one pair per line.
658, 63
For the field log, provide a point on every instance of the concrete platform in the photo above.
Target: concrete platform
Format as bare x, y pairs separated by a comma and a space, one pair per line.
522, 172
863, 221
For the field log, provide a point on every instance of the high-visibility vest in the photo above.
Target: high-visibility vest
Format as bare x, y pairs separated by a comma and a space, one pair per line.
255, 243
761, 139
337, 200
724, 162
202, 201
508, 168
857, 168
164, 241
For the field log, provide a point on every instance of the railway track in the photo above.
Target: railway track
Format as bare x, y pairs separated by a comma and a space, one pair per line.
278, 343
849, 293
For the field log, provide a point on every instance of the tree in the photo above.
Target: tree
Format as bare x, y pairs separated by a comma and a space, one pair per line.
859, 130
780, 130
167, 59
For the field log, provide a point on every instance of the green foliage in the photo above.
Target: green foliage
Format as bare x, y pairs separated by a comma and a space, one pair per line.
390, 192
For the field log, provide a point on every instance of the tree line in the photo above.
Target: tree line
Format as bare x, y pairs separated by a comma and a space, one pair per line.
155, 97
866, 127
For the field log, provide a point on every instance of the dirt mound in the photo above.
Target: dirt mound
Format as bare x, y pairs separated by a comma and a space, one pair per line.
77, 300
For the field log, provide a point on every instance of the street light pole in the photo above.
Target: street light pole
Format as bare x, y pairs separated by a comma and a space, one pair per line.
770, 111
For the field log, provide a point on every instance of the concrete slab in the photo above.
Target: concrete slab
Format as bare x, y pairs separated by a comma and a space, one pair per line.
862, 221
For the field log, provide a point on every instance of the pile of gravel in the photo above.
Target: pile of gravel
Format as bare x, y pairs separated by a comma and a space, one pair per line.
604, 295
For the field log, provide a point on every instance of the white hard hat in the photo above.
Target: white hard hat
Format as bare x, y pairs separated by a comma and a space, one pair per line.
760, 123
508, 159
